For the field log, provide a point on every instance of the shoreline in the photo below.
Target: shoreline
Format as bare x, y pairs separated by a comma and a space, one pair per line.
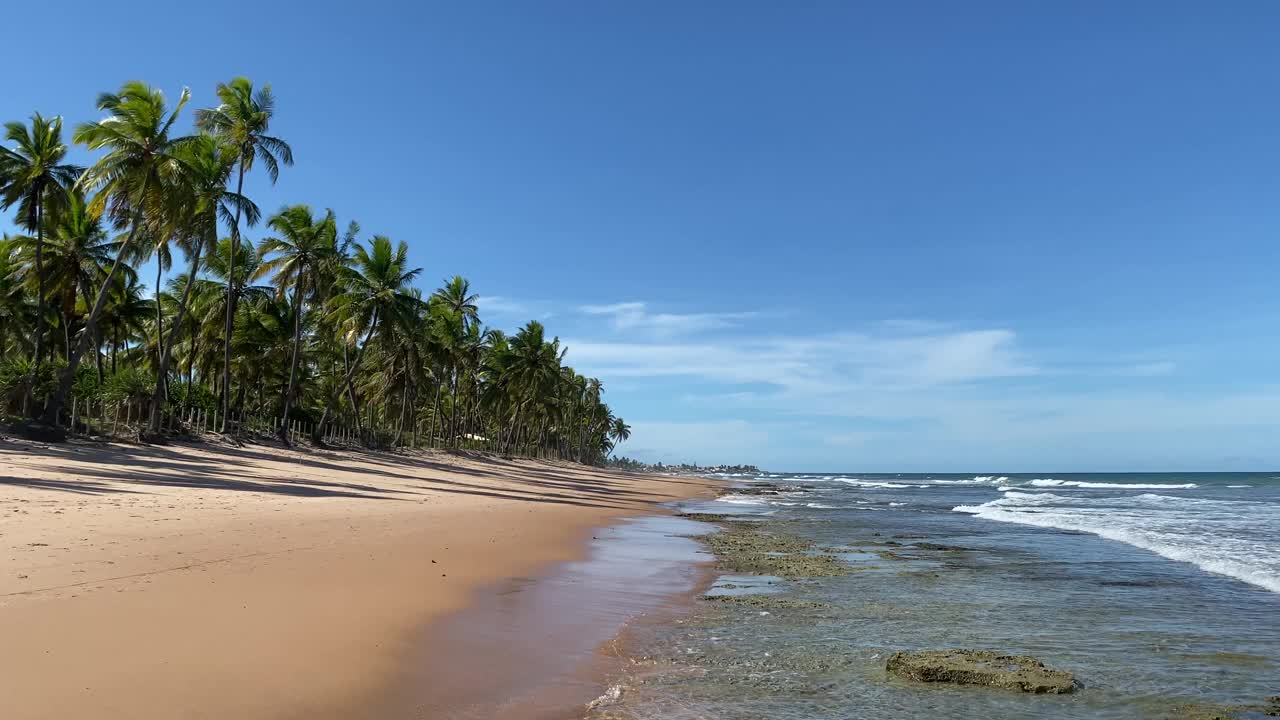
258, 582
545, 645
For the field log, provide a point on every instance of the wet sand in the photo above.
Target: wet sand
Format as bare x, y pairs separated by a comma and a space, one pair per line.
254, 582
540, 647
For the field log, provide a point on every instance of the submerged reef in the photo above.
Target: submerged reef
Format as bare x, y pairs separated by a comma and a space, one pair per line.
981, 667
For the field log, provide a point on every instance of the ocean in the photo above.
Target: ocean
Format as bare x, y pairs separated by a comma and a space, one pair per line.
1159, 591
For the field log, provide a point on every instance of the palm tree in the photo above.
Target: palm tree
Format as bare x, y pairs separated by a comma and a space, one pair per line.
16, 312
195, 208
302, 245
530, 372
76, 257
129, 179
374, 288
619, 431
243, 120
124, 317
33, 176
462, 313
344, 318
456, 295
218, 269
262, 342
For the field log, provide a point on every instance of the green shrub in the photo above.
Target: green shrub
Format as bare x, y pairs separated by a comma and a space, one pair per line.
185, 395
16, 381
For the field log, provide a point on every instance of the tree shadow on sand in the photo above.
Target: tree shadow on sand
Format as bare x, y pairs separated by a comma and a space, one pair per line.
120, 468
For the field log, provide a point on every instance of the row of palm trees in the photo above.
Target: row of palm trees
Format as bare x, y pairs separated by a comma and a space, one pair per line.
312, 324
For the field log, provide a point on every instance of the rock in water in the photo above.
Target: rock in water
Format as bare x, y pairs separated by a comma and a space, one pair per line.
981, 667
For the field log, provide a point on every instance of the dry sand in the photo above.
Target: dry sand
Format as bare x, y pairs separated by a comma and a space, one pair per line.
210, 581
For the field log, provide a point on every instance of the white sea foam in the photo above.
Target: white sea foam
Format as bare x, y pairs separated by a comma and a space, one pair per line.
893, 504
1051, 482
1239, 486
874, 484
741, 499
820, 506
1227, 537
610, 697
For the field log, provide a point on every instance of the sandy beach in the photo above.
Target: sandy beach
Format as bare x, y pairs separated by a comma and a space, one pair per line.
211, 581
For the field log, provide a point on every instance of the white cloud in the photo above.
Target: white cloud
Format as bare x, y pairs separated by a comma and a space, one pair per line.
636, 316
825, 361
512, 308
499, 305
917, 393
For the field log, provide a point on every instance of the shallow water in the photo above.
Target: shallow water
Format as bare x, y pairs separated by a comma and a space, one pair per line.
529, 648
1152, 589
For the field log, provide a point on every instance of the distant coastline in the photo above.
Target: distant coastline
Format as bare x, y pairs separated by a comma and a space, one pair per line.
625, 463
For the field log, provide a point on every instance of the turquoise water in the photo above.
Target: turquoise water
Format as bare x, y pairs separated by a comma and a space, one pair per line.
1159, 591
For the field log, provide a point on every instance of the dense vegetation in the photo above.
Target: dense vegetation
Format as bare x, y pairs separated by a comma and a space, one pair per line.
314, 327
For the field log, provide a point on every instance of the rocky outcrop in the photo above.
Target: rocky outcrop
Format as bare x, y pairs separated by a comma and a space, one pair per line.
767, 602
981, 667
750, 549
1270, 708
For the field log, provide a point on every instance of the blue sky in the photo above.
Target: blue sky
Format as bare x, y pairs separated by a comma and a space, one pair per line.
829, 235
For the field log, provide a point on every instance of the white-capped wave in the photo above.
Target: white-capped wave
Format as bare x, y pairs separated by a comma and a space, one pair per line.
1232, 538
875, 484
975, 480
742, 499
1051, 482
1239, 486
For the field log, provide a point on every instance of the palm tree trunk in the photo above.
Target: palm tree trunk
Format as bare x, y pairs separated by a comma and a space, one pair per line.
153, 426
39, 198
435, 413
231, 302
349, 382
53, 408
404, 401
35, 368
159, 336
293, 362
317, 436
453, 406
342, 388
